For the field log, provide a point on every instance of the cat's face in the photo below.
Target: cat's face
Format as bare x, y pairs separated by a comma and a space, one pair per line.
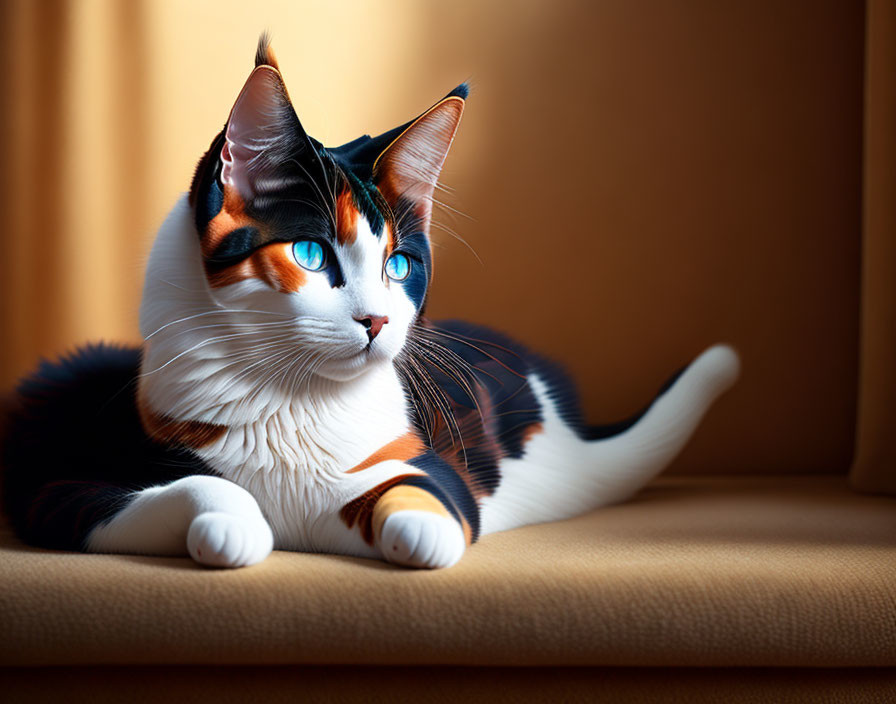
351, 298
332, 244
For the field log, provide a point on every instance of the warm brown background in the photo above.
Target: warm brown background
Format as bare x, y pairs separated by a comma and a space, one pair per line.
641, 179
874, 468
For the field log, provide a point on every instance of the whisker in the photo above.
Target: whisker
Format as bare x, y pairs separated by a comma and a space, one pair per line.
466, 341
449, 231
208, 341
451, 209
438, 397
285, 324
214, 312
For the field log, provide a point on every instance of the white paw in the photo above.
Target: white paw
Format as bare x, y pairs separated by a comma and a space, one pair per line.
228, 540
422, 539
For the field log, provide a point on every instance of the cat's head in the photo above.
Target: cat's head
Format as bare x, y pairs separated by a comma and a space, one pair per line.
334, 239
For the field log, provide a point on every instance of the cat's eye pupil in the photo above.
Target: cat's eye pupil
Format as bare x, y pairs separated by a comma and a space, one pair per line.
398, 266
309, 254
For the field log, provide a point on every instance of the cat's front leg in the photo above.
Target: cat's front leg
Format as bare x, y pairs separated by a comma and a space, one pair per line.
215, 521
413, 531
411, 520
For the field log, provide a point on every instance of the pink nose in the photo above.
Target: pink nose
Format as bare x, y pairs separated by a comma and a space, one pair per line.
373, 323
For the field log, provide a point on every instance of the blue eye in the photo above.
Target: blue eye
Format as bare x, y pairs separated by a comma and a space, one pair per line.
309, 254
398, 266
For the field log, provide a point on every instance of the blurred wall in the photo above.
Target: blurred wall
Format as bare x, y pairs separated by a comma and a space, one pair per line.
638, 180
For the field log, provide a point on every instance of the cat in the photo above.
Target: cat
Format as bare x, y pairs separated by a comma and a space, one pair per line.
290, 392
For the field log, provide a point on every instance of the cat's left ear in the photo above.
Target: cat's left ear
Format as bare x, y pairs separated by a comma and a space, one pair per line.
406, 172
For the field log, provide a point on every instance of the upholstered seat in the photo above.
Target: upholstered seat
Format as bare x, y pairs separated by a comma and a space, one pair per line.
696, 571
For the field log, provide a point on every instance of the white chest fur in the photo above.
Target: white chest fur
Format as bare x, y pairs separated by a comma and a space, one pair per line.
294, 458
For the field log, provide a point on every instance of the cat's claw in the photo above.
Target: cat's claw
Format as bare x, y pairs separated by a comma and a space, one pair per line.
221, 539
422, 539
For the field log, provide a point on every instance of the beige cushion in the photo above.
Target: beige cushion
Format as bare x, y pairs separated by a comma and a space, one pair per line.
739, 571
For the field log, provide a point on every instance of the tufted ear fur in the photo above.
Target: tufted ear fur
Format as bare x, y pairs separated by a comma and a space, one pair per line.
406, 172
264, 53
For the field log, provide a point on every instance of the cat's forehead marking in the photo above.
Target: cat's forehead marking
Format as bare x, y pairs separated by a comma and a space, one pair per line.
346, 218
390, 237
366, 247
355, 232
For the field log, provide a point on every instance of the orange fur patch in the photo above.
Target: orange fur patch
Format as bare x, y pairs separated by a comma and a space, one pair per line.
370, 510
533, 429
360, 510
273, 264
406, 498
346, 218
270, 57
232, 216
390, 238
401, 448
188, 433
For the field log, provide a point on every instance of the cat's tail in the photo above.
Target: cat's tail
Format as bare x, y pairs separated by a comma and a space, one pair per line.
563, 474
624, 463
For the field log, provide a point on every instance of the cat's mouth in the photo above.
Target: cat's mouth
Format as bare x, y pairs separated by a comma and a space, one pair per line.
357, 356
364, 352
373, 351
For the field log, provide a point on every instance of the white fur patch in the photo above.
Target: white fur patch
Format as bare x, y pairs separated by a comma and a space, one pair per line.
561, 475
219, 539
422, 539
219, 522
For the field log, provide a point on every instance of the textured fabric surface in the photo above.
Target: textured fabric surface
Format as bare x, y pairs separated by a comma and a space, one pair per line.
452, 685
714, 572
875, 463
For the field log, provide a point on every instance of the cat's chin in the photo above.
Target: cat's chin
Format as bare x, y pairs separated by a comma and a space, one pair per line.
353, 367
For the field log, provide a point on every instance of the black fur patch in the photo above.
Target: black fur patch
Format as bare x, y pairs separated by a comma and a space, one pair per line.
508, 363
205, 193
500, 367
75, 450
415, 244
234, 246
452, 490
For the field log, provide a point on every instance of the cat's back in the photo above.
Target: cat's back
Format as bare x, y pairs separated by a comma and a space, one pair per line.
84, 399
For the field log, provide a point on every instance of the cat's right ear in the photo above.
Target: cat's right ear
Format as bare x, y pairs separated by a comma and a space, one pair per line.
262, 135
262, 154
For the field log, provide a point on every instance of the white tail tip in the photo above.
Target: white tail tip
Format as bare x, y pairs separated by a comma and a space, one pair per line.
721, 365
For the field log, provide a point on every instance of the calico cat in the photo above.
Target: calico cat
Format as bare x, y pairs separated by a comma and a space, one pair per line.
290, 393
